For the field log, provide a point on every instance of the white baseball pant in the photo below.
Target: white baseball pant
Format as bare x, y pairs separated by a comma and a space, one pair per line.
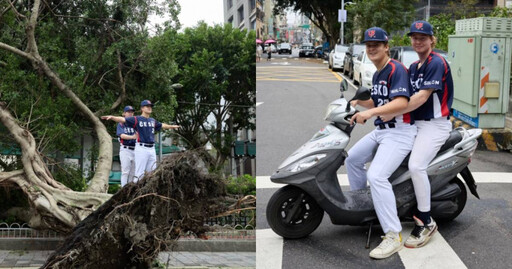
430, 138
145, 161
391, 146
127, 158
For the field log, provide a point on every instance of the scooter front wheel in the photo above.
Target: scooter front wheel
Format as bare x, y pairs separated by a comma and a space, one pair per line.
292, 213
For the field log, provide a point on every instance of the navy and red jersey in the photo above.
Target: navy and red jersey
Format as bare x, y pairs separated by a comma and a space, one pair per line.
124, 129
389, 83
434, 74
146, 127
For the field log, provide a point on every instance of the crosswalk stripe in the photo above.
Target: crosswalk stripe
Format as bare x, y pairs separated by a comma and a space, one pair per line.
269, 249
263, 182
436, 254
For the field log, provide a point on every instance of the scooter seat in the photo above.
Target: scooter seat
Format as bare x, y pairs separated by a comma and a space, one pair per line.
454, 138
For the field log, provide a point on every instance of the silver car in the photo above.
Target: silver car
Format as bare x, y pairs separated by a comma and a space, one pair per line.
337, 56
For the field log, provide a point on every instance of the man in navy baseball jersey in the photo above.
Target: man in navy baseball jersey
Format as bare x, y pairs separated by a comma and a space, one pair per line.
431, 81
145, 126
127, 137
386, 146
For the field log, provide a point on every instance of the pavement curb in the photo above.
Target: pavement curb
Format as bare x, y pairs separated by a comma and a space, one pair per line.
491, 139
190, 245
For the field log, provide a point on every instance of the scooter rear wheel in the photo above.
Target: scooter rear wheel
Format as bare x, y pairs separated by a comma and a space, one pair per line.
292, 213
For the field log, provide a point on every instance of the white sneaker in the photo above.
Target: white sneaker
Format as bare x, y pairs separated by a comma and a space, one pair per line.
421, 233
391, 243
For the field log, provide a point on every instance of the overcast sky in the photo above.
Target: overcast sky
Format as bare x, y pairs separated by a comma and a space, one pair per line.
192, 11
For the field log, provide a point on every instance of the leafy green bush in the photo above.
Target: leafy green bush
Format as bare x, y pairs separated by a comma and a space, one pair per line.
113, 188
242, 185
71, 176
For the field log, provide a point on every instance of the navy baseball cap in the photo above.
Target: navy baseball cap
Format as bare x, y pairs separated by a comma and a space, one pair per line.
375, 34
421, 27
146, 103
128, 108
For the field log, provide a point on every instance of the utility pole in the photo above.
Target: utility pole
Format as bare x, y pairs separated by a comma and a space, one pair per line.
428, 10
342, 21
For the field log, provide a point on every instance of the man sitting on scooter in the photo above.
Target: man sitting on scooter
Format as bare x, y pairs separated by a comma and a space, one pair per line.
391, 140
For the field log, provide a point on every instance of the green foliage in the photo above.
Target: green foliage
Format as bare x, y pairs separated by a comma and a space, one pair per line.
71, 176
242, 185
444, 26
113, 188
397, 40
97, 48
390, 15
216, 67
501, 12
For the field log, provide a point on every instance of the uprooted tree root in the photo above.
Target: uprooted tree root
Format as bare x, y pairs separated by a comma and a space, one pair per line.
142, 219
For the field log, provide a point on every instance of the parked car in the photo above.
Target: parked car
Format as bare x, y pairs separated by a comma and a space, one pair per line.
406, 54
353, 51
364, 70
306, 50
285, 48
337, 56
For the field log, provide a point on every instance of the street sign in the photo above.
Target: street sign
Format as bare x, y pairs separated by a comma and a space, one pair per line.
342, 15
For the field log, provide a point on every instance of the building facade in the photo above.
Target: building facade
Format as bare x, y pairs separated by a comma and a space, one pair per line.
241, 13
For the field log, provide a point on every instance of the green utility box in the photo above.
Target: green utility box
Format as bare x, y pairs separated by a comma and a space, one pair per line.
480, 57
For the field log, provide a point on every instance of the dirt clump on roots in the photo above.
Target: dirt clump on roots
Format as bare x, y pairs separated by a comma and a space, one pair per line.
145, 218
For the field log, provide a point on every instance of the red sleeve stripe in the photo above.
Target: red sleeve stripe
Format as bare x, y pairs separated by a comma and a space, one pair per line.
444, 103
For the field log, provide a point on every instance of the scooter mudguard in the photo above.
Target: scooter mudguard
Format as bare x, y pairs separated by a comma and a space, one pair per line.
470, 181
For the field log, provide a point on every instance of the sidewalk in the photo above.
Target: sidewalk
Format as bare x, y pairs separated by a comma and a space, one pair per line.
35, 259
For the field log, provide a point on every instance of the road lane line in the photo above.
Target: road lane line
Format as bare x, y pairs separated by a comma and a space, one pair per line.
348, 80
336, 75
258, 103
436, 254
263, 182
269, 249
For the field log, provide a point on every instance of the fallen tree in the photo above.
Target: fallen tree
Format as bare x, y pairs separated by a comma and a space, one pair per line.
52, 204
142, 219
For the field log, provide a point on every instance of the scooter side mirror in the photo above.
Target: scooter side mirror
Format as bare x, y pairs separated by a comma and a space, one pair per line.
343, 86
362, 93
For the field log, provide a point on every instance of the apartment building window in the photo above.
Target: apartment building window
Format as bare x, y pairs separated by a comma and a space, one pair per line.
253, 4
230, 20
230, 4
240, 14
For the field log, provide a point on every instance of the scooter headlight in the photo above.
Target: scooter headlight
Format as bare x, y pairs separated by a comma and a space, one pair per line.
330, 109
305, 163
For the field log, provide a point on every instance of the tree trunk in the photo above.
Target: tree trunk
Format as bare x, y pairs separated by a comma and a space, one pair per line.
142, 219
99, 183
53, 205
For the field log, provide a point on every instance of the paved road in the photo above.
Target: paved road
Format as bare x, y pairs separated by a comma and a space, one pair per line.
292, 96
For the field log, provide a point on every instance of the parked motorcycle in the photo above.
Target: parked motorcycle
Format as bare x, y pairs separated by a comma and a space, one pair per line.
297, 209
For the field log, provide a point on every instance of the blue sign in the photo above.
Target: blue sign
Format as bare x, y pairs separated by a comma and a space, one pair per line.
466, 118
494, 47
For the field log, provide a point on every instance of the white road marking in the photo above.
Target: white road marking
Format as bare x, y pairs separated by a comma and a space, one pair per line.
348, 80
436, 254
263, 182
269, 249
258, 103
